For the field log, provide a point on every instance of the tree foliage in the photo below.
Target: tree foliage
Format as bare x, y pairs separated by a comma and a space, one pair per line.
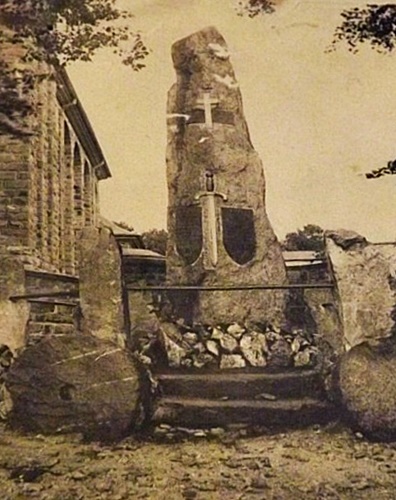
156, 240
311, 237
390, 169
62, 31
374, 24
255, 7
56, 32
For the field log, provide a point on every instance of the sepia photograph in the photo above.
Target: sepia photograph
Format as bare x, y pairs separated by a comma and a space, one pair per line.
197, 249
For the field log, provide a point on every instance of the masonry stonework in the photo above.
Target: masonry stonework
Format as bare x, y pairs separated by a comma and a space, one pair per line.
49, 170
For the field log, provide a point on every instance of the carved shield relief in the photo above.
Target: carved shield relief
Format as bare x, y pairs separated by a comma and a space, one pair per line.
189, 233
239, 236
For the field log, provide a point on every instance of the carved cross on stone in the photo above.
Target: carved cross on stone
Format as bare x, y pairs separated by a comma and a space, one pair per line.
212, 242
207, 103
210, 221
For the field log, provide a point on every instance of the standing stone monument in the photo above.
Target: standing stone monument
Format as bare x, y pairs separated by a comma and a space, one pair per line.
219, 231
101, 294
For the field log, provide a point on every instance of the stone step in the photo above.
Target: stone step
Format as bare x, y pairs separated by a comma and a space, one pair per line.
202, 413
237, 385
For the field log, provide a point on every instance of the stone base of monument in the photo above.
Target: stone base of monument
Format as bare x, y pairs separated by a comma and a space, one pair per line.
228, 346
286, 399
232, 374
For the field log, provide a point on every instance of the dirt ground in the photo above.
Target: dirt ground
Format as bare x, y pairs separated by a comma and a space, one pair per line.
316, 463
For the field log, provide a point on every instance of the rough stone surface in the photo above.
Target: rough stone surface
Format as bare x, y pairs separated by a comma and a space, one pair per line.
280, 354
224, 150
14, 316
324, 310
144, 328
101, 294
347, 239
254, 348
175, 353
217, 334
178, 345
212, 347
367, 388
76, 383
204, 359
236, 330
191, 338
228, 343
172, 331
232, 361
174, 346
302, 358
365, 276
141, 312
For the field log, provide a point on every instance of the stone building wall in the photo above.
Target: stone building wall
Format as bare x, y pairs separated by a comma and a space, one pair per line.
49, 170
14, 191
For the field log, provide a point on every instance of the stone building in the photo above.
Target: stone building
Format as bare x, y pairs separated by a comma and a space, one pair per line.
49, 172
50, 166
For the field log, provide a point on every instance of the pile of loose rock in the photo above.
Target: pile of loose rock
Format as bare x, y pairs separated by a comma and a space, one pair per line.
233, 345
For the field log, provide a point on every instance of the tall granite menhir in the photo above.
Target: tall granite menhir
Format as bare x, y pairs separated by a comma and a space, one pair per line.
219, 232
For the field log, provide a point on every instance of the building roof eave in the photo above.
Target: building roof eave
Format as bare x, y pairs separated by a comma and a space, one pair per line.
82, 127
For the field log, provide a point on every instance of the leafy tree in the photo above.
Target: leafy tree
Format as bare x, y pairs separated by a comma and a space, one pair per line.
311, 237
57, 32
255, 7
390, 169
156, 240
60, 31
374, 24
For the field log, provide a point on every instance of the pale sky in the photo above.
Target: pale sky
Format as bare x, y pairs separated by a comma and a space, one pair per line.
318, 120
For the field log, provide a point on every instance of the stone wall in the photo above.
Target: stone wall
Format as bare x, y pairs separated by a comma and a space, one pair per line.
14, 193
48, 170
62, 184
14, 166
47, 316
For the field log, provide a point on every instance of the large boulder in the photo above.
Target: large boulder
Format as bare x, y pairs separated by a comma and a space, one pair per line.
366, 386
365, 276
101, 293
76, 383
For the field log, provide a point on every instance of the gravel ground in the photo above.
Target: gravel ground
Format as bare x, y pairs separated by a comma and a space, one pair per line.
315, 463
